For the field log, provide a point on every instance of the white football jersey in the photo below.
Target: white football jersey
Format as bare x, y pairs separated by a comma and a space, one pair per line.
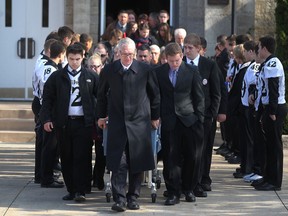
43, 74
75, 105
248, 80
273, 68
41, 60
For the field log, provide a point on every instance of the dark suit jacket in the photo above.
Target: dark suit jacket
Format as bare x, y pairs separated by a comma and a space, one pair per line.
56, 97
209, 72
185, 101
223, 62
130, 99
234, 95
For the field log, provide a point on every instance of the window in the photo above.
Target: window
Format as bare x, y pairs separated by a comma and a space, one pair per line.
45, 13
8, 13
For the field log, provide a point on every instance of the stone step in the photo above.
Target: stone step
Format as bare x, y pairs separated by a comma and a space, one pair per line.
16, 113
17, 137
17, 124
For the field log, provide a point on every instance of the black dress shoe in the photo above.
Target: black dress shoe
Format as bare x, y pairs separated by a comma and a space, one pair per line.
199, 192
133, 205
267, 187
258, 182
172, 200
206, 187
119, 206
69, 196
238, 175
53, 185
228, 155
79, 197
234, 160
190, 197
165, 193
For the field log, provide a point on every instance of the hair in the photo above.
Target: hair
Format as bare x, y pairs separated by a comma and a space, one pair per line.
75, 38
203, 42
180, 31
48, 43
65, 31
221, 39
164, 11
172, 49
238, 52
56, 49
167, 37
81, 44
53, 35
116, 33
250, 45
130, 11
269, 43
256, 49
95, 57
123, 11
162, 53
156, 47
85, 38
75, 49
143, 26
193, 39
129, 28
144, 47
126, 42
231, 38
241, 39
142, 16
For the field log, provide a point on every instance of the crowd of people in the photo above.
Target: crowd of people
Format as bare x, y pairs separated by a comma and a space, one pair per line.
146, 75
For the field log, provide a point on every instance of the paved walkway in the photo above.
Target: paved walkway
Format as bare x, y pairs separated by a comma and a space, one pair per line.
20, 196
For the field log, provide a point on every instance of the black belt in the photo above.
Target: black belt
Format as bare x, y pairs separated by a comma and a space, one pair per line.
75, 117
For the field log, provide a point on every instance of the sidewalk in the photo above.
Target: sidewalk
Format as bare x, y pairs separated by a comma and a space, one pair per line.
20, 196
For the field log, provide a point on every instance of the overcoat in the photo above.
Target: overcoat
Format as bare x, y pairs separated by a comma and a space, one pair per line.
131, 100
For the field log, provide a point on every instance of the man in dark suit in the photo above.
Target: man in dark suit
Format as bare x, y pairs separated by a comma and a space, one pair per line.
208, 70
130, 90
182, 116
69, 104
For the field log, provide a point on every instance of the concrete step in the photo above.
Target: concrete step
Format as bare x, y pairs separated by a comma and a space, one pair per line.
17, 124
16, 113
17, 137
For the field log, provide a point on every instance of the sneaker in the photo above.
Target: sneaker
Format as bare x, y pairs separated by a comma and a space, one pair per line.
248, 176
252, 178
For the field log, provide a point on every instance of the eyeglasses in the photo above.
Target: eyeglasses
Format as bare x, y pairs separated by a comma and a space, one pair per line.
130, 55
94, 67
103, 55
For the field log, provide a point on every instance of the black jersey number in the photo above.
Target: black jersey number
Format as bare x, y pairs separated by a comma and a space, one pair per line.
77, 100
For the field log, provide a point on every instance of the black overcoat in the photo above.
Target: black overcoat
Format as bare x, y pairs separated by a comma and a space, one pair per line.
130, 99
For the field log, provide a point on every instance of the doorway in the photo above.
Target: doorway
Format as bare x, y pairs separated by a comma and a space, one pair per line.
113, 7
24, 26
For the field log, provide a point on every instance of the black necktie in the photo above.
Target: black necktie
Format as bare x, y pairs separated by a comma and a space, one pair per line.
191, 62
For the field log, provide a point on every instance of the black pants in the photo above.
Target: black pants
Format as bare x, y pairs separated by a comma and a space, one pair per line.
246, 139
119, 181
259, 144
207, 152
76, 154
49, 153
36, 106
182, 151
100, 160
274, 146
